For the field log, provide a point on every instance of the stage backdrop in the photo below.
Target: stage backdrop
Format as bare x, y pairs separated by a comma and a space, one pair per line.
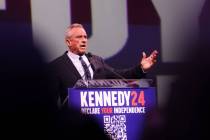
118, 30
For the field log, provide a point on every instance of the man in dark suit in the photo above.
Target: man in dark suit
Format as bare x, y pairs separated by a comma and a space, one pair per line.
69, 67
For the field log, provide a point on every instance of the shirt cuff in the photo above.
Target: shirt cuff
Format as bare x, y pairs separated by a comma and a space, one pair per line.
143, 70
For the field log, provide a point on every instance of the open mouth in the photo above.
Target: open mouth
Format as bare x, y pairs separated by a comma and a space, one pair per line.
83, 46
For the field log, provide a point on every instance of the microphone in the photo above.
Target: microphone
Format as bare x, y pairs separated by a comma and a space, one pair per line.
98, 64
115, 73
93, 63
110, 69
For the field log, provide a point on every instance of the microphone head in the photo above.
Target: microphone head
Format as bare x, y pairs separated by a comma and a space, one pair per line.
92, 61
89, 54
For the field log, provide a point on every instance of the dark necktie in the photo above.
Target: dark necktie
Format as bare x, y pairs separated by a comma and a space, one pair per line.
86, 69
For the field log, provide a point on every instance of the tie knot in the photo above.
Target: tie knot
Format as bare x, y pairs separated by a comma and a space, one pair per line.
80, 58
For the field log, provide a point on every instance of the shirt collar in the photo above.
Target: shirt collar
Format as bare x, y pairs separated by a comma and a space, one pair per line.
74, 56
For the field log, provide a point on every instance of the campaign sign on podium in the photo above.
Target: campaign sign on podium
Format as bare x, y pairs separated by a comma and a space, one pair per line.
120, 111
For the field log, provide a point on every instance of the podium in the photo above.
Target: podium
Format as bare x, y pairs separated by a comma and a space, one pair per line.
119, 106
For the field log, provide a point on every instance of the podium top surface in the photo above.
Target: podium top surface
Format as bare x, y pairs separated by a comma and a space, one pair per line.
114, 83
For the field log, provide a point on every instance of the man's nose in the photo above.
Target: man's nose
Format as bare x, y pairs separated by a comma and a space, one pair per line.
84, 40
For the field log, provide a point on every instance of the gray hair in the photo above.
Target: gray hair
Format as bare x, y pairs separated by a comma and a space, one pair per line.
74, 25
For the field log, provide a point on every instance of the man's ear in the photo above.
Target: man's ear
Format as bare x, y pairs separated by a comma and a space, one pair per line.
68, 42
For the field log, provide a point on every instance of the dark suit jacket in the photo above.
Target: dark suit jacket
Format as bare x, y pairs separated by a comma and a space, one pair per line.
65, 74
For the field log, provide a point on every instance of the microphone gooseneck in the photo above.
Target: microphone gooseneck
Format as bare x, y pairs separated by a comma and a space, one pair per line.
97, 65
115, 73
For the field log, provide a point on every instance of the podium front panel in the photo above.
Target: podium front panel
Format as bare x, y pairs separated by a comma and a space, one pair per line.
119, 111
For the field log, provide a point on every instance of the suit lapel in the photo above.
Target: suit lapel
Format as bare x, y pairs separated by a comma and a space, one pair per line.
70, 66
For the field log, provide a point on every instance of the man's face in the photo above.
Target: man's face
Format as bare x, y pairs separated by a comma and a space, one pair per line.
77, 42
